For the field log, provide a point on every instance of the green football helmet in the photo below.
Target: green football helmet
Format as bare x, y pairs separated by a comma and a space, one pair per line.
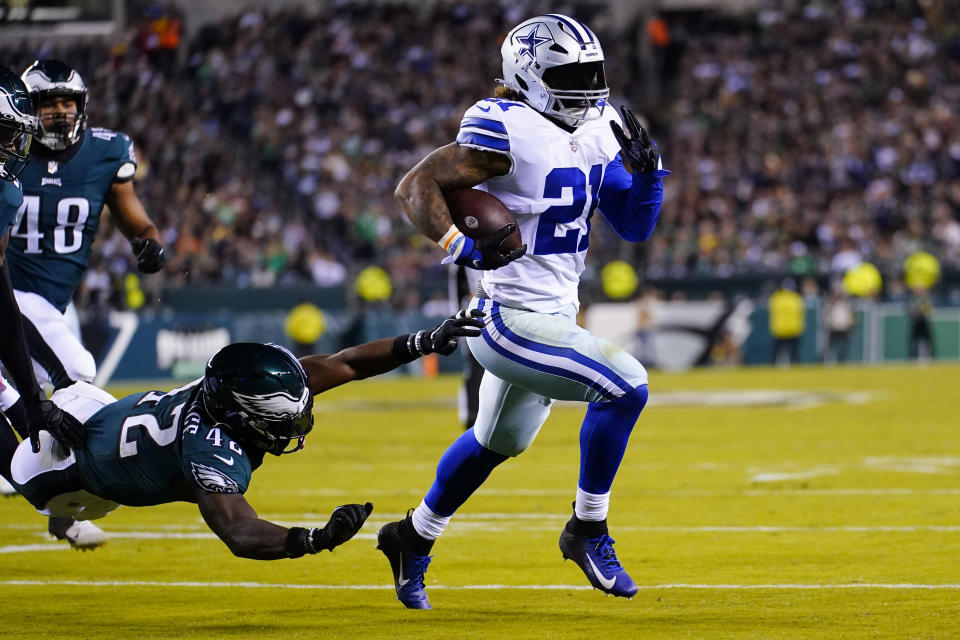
260, 393
18, 125
45, 78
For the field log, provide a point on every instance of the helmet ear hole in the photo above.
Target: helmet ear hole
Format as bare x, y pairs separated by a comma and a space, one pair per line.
522, 83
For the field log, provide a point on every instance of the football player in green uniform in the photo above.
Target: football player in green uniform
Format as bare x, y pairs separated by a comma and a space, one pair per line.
74, 171
28, 411
201, 443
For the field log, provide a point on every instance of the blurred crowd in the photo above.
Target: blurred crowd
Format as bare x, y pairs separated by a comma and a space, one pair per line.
270, 143
806, 142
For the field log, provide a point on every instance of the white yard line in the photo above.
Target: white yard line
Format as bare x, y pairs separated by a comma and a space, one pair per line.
652, 493
469, 587
27, 548
491, 522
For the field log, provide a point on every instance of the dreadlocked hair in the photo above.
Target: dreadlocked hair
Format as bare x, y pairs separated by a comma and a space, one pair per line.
506, 93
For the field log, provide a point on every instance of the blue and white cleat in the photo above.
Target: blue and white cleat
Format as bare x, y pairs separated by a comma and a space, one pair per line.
408, 567
596, 557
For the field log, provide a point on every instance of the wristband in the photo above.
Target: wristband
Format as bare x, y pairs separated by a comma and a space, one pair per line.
455, 243
403, 348
299, 542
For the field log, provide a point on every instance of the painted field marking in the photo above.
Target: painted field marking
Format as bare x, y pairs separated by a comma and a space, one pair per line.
27, 548
502, 522
796, 475
651, 493
469, 587
735, 398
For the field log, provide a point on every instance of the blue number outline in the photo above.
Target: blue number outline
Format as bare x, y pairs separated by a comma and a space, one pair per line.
546, 241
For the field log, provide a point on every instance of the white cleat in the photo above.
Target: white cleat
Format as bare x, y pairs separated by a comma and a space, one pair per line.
81, 534
6, 489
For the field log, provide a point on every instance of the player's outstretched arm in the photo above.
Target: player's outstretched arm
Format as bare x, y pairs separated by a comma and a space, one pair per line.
136, 225
373, 358
231, 517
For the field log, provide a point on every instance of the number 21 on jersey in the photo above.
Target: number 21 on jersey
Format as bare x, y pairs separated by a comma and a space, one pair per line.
551, 236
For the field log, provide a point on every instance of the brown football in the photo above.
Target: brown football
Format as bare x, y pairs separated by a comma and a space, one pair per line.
478, 215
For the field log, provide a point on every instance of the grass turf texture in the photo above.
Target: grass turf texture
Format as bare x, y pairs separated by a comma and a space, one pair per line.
828, 512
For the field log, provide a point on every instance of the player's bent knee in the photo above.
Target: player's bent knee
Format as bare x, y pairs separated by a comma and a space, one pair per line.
79, 505
508, 444
83, 367
636, 398
82, 399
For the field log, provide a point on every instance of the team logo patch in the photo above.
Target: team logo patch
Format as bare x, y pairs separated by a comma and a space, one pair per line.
274, 405
530, 41
213, 480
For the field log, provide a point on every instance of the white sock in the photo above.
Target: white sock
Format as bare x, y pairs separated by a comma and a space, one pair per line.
592, 507
427, 524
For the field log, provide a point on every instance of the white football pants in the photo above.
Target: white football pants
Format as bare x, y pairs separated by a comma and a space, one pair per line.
54, 346
532, 359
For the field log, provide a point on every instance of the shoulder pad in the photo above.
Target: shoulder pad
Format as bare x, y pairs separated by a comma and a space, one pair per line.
213, 459
213, 480
482, 127
119, 144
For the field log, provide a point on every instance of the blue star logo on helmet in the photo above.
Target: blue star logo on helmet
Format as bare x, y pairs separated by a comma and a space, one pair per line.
531, 41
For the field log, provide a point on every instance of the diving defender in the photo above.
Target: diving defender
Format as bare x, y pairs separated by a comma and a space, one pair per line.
202, 442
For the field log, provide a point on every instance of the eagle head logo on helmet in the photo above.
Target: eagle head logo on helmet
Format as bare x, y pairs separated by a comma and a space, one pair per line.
18, 125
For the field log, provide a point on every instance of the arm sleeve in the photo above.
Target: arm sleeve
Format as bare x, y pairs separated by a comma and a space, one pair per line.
13, 346
631, 204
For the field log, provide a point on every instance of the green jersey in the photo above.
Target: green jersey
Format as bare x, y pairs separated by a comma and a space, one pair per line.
63, 195
155, 447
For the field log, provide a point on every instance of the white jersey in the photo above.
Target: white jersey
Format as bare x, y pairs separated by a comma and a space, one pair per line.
552, 190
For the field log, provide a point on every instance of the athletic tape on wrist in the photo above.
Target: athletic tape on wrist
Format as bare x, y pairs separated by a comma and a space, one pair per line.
453, 242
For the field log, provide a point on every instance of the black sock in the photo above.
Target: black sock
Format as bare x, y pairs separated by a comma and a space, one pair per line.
589, 528
420, 545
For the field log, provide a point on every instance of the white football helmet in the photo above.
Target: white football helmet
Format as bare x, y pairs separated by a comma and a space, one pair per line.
556, 64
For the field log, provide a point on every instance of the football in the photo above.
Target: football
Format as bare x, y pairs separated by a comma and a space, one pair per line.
478, 215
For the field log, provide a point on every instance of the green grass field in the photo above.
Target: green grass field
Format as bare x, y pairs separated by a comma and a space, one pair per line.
754, 503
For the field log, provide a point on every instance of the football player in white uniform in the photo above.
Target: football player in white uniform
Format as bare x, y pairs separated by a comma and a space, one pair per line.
553, 151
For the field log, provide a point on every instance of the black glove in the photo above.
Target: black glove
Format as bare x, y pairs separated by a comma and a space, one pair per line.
149, 253
638, 152
46, 416
345, 522
485, 253
443, 338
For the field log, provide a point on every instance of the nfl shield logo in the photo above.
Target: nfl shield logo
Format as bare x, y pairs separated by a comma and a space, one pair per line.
52, 166
573, 145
